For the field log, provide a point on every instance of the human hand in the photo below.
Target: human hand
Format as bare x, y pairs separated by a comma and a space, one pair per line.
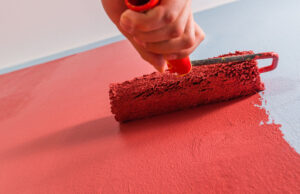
166, 32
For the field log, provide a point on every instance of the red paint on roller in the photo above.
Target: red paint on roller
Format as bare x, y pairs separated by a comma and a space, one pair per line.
157, 93
57, 135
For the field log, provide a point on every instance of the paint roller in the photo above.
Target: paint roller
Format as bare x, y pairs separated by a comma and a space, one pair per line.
211, 80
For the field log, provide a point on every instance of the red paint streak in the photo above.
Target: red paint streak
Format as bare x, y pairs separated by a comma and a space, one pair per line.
57, 135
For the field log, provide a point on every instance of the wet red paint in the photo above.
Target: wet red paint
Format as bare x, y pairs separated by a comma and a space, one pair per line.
157, 93
57, 135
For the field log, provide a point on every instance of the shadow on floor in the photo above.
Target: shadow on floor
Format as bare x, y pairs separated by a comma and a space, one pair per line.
107, 127
77, 135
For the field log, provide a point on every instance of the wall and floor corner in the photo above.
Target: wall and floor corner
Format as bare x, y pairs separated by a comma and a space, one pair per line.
58, 134
35, 32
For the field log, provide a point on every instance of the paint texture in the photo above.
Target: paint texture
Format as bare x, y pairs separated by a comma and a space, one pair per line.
157, 93
57, 135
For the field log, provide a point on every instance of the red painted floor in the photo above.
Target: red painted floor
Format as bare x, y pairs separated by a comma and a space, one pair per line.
57, 135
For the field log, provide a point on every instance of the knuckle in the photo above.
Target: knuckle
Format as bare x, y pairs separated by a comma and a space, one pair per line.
202, 36
169, 17
159, 12
176, 31
188, 42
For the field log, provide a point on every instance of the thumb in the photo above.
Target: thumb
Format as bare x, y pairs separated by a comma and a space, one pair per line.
154, 59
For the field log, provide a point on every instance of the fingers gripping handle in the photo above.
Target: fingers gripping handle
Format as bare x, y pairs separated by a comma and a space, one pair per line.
179, 66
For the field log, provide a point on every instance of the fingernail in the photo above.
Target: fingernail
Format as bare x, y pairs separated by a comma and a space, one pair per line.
127, 29
126, 25
125, 20
141, 43
160, 65
159, 69
171, 57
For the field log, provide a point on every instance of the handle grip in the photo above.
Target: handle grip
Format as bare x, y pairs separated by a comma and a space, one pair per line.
141, 5
179, 66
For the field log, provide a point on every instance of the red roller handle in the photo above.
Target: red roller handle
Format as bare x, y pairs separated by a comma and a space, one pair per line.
179, 66
141, 5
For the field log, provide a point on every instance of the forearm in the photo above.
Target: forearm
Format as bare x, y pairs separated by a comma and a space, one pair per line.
114, 9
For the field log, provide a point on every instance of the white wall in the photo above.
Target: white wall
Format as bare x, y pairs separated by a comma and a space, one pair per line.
32, 29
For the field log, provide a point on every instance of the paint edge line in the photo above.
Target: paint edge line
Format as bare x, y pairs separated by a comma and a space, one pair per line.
79, 49
61, 54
